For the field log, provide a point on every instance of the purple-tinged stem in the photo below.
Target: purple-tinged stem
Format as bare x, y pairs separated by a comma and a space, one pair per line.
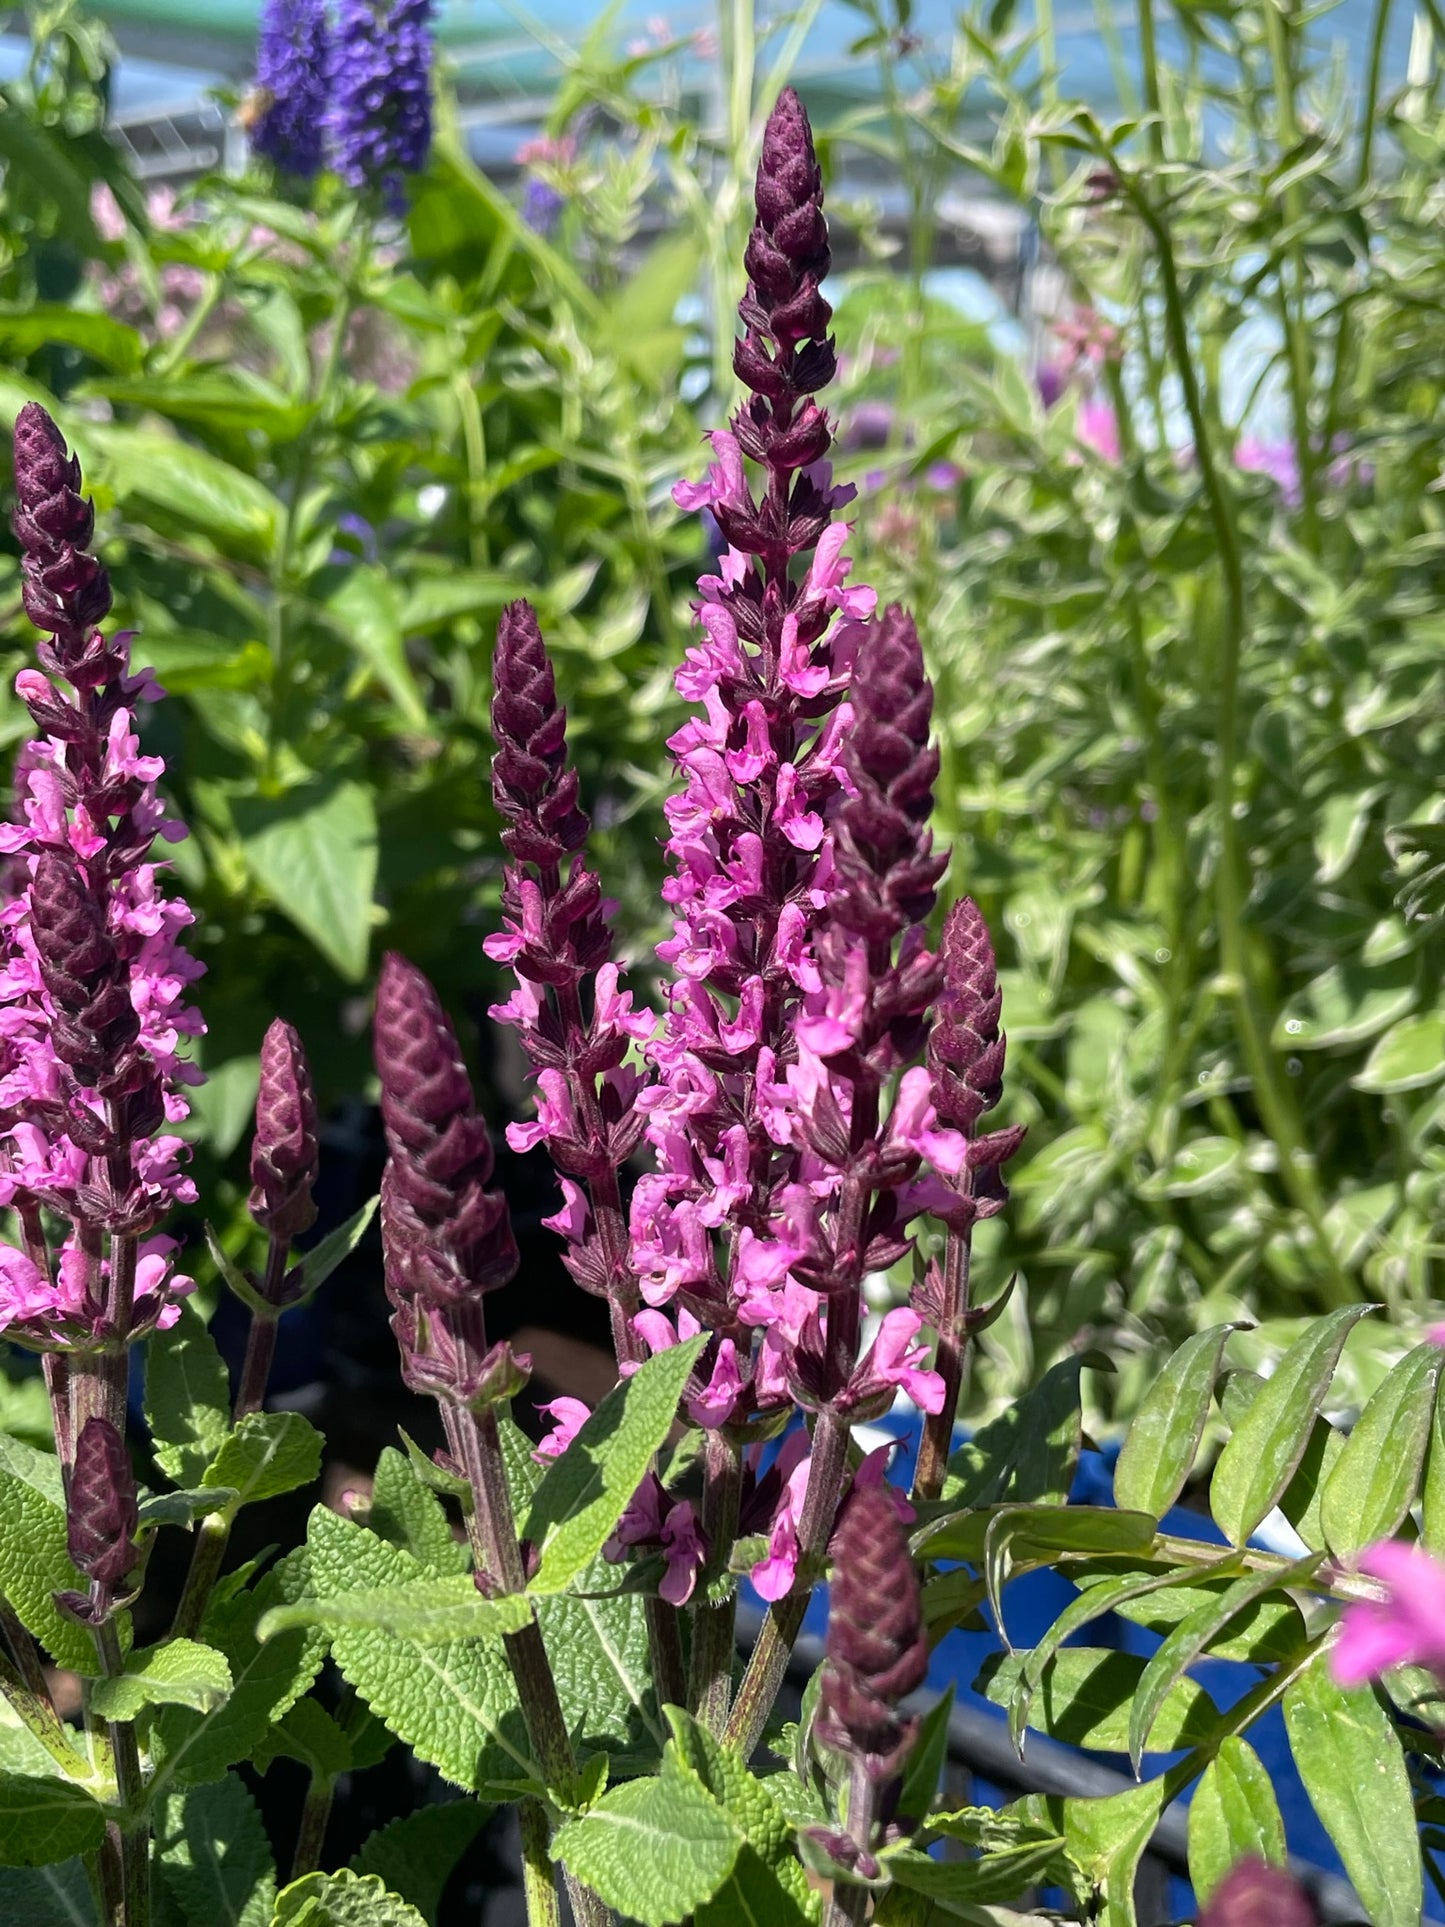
949, 1362
714, 1631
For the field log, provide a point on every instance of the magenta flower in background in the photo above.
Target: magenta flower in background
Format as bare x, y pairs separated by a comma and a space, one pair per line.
568, 1416
1255, 1894
1404, 1628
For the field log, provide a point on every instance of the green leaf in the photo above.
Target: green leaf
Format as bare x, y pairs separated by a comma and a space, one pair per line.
309, 1734
1350, 1760
268, 1453
367, 609
1374, 1480
192, 1748
190, 488
434, 1610
1158, 1453
1432, 1498
182, 1508
456, 1705
54, 1896
313, 851
1084, 1697
1029, 1453
586, 1491
44, 1820
1233, 1816
1345, 1006
655, 1849
1193, 1636
1409, 1056
766, 1828
34, 1562
187, 1398
1200, 1165
414, 1857
179, 1673
1255, 1466
344, 1899
213, 1857
317, 1264
407, 1514
925, 1761
1264, 1633
49, 325
1003, 1874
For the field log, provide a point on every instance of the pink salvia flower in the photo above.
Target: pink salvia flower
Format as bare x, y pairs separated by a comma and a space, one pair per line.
1406, 1627
568, 1416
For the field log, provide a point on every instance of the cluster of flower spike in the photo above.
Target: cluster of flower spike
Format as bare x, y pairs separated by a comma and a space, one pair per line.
356, 92
93, 1010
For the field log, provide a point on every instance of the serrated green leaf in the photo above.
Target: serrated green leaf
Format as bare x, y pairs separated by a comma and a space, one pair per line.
404, 1512
182, 1508
1354, 1771
435, 1609
213, 1858
456, 1705
1084, 1697
179, 1673
1233, 1816
193, 1748
43, 1819
187, 1398
655, 1849
309, 1734
1193, 1636
1374, 1480
313, 851
1158, 1453
344, 1899
268, 1453
1255, 1466
750, 1804
34, 1562
414, 1857
54, 1896
586, 1491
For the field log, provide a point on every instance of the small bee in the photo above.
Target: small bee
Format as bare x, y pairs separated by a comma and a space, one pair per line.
254, 108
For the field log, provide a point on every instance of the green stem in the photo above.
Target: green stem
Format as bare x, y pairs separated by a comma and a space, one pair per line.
539, 1880
1345, 332
1292, 281
474, 445
133, 1826
951, 1358
211, 1537
1149, 65
315, 1815
1277, 1106
714, 1630
768, 1661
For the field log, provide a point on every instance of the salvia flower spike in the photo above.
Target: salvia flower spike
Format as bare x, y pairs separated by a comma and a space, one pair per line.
293, 57
285, 1150
95, 979
381, 113
101, 1511
575, 1021
447, 1238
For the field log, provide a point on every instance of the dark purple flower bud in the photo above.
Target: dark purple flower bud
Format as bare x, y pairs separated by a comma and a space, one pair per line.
292, 80
101, 1513
66, 591
284, 1151
532, 785
884, 850
966, 1049
1254, 1894
381, 120
95, 1023
447, 1238
876, 1651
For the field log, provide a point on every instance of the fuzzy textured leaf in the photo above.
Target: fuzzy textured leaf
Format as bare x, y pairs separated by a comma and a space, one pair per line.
34, 1562
406, 1514
55, 1896
268, 1453
343, 1899
655, 1849
187, 1398
45, 1819
586, 1491
433, 1610
214, 1860
414, 1857
179, 1673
